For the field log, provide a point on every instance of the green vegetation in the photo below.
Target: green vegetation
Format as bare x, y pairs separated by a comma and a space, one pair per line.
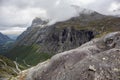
6, 46
7, 67
28, 55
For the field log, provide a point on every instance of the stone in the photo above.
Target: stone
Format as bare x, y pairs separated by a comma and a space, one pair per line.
83, 63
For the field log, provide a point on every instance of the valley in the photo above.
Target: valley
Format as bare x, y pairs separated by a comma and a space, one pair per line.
83, 47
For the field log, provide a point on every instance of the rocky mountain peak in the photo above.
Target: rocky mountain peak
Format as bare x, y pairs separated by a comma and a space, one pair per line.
4, 36
81, 10
39, 22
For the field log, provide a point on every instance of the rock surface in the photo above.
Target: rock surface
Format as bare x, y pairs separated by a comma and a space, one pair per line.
98, 59
54, 38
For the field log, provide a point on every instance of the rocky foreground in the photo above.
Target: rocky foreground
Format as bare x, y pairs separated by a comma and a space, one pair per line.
98, 59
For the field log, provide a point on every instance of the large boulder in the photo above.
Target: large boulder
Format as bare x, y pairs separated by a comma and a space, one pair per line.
98, 59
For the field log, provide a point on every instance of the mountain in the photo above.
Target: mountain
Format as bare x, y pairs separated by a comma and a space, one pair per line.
3, 38
98, 59
13, 37
40, 41
5, 43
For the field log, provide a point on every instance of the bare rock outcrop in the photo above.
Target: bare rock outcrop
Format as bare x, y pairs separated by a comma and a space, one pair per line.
98, 59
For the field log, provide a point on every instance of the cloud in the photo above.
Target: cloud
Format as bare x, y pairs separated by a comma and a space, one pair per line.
13, 31
115, 7
20, 13
11, 16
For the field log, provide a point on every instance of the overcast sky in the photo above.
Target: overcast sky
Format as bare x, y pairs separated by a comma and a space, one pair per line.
16, 15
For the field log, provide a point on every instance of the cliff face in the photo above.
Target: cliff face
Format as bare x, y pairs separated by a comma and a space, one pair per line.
98, 59
60, 36
71, 33
42, 39
54, 40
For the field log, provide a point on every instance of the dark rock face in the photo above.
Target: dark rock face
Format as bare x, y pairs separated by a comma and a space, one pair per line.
53, 39
65, 39
38, 21
60, 36
98, 59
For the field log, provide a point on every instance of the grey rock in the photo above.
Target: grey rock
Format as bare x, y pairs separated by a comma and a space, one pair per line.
38, 22
95, 60
56, 38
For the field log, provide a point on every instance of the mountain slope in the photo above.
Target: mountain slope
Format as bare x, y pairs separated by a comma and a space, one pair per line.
3, 39
5, 43
98, 59
61, 36
7, 68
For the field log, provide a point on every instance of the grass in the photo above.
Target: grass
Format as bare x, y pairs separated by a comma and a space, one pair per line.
6, 67
28, 54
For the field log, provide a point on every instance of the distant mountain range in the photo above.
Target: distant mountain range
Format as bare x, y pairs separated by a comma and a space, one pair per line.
13, 37
4, 38
5, 43
40, 41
